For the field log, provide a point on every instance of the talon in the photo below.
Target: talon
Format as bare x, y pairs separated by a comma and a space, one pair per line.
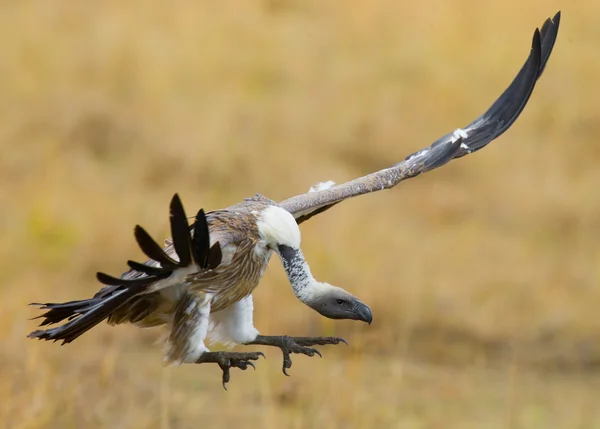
228, 360
295, 345
226, 377
287, 362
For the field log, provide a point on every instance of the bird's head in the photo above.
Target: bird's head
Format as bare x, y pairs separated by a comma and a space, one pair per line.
335, 303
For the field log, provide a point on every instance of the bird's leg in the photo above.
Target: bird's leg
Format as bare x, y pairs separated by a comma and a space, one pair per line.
190, 327
298, 345
227, 360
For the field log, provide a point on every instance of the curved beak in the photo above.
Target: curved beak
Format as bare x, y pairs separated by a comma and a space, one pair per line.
363, 312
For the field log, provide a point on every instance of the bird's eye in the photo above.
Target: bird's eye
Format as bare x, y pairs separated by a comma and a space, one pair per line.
339, 301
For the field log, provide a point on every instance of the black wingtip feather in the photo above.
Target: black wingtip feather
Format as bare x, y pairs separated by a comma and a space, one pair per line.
508, 107
113, 281
149, 269
214, 257
549, 33
201, 240
152, 249
180, 231
536, 43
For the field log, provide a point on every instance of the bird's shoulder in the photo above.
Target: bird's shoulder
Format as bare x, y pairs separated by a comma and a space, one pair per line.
238, 222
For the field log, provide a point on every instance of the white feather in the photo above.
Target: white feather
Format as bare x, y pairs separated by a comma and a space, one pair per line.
460, 133
321, 185
173, 286
278, 226
234, 324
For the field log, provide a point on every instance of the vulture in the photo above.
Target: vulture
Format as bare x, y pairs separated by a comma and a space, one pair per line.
200, 284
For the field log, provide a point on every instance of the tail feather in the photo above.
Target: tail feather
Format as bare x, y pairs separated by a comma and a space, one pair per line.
81, 318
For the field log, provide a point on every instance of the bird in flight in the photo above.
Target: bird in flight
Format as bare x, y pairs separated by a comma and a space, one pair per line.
200, 284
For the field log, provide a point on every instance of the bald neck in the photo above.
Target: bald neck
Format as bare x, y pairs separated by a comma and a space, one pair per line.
330, 301
303, 283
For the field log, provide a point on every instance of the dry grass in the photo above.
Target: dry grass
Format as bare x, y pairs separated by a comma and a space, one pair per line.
483, 275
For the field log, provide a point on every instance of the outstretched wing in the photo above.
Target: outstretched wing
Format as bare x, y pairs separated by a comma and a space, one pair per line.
188, 245
194, 255
487, 127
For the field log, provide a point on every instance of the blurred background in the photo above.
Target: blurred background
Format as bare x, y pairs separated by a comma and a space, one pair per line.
483, 275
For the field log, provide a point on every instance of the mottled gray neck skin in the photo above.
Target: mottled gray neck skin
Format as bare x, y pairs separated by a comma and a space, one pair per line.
303, 283
330, 301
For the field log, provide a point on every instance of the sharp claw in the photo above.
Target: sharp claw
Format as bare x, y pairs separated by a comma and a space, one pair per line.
295, 345
287, 362
226, 361
225, 379
226, 376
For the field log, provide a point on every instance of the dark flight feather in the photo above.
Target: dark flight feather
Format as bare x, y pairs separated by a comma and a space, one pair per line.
153, 250
150, 270
201, 242
180, 231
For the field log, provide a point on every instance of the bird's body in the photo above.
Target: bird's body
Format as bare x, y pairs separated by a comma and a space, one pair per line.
200, 285
225, 292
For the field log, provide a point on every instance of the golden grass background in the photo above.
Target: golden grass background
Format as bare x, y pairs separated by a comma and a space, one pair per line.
483, 275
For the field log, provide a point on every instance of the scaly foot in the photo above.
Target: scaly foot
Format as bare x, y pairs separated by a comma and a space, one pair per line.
227, 360
297, 345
